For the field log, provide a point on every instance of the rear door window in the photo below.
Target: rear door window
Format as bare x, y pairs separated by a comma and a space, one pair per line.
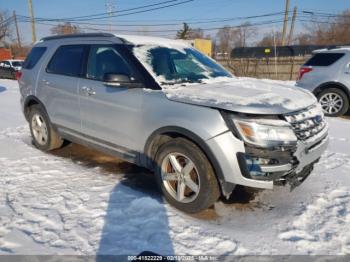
33, 58
68, 60
324, 59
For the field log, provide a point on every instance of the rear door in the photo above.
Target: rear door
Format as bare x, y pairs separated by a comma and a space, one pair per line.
58, 85
110, 114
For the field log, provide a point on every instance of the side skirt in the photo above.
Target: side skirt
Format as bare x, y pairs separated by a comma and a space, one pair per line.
100, 145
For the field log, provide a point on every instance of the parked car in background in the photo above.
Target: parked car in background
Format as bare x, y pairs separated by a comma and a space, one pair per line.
327, 75
163, 105
9, 68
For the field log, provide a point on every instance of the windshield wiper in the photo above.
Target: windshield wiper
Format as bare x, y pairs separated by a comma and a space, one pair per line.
182, 81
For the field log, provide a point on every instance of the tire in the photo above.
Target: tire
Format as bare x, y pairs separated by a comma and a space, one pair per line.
49, 139
342, 101
202, 175
13, 75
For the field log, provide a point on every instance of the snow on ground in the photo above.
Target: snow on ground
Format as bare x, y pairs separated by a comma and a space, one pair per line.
78, 201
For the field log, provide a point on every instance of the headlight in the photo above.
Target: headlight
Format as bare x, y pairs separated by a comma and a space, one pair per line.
265, 132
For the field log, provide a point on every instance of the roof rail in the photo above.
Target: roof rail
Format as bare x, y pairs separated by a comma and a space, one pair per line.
337, 46
77, 36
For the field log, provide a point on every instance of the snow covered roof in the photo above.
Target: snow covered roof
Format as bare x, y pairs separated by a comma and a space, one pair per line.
151, 40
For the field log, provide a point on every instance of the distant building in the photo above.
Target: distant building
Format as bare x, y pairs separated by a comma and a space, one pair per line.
5, 53
203, 45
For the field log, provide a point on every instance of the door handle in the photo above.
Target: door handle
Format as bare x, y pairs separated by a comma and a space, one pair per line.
45, 81
88, 91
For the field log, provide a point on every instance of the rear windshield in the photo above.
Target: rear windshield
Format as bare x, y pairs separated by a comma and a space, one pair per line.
324, 59
33, 58
17, 63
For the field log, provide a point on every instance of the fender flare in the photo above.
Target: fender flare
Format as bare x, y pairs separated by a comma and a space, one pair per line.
27, 103
341, 86
226, 188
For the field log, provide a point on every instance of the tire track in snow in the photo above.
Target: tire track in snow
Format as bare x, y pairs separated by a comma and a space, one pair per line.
66, 204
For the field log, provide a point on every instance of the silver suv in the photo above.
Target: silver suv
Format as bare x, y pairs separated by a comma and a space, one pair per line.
163, 105
327, 75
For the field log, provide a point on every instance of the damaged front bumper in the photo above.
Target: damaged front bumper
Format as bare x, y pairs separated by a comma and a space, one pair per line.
284, 165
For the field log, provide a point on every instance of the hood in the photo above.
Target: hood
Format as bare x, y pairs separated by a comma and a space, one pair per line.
244, 95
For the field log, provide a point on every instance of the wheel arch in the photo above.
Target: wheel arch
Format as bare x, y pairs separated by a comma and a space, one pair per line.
29, 101
332, 84
164, 134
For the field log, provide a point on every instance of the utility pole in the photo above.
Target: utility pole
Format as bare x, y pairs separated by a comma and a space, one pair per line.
285, 24
110, 8
17, 30
291, 32
31, 13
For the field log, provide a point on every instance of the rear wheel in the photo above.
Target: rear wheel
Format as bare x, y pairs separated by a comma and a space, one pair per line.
43, 134
334, 102
185, 176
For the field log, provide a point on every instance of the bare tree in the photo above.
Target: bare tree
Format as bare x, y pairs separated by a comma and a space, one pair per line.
225, 39
336, 30
243, 33
270, 39
304, 39
229, 37
195, 33
5, 27
65, 29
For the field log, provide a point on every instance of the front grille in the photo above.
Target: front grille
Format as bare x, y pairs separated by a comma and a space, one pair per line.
307, 123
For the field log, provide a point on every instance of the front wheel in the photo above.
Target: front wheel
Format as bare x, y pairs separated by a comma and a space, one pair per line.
334, 102
185, 176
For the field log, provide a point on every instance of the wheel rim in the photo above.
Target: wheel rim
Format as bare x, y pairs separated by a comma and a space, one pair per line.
180, 177
332, 103
39, 129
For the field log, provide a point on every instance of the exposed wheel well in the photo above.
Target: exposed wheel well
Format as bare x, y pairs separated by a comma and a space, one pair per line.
27, 106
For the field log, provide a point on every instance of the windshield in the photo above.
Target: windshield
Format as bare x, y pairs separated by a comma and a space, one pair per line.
17, 63
185, 65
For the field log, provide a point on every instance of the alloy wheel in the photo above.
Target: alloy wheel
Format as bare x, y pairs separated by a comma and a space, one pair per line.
332, 103
39, 129
180, 177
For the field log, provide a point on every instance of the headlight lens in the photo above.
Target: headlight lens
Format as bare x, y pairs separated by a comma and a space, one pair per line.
265, 132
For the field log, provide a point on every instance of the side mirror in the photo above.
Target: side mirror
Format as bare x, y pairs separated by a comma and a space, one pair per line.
110, 79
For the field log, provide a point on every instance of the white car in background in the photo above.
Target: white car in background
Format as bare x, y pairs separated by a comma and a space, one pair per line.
9, 68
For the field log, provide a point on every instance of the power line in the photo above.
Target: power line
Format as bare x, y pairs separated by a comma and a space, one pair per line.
172, 24
175, 30
91, 17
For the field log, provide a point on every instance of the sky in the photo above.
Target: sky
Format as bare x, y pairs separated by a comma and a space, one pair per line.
191, 12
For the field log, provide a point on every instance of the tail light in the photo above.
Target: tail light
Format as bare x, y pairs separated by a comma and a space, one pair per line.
303, 71
18, 75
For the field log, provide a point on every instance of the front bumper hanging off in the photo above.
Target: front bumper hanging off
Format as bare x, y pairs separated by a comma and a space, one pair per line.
263, 168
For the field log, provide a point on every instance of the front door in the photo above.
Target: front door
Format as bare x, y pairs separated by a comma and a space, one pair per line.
110, 114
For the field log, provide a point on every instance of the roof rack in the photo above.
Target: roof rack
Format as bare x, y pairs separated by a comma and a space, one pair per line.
77, 36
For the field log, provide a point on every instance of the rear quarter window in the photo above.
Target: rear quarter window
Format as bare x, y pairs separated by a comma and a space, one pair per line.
33, 57
324, 59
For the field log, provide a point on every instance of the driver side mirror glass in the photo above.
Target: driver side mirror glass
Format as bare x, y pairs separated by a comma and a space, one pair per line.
116, 78
111, 79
